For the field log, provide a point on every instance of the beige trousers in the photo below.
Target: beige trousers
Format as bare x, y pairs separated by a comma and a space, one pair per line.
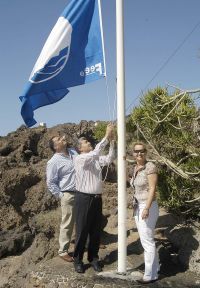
67, 222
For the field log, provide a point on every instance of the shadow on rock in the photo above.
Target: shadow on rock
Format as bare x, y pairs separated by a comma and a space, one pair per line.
15, 241
133, 248
108, 238
183, 240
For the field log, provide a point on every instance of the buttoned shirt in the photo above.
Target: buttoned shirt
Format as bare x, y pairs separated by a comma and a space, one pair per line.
140, 181
88, 168
60, 173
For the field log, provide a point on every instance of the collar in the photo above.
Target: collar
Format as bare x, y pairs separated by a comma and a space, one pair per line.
62, 154
138, 170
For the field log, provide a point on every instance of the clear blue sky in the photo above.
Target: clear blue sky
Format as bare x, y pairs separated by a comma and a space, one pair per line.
153, 30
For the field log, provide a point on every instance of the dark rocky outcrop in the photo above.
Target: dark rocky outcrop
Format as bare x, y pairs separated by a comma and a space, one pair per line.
23, 192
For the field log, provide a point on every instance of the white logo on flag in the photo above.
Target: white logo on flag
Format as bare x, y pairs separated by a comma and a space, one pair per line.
55, 53
97, 68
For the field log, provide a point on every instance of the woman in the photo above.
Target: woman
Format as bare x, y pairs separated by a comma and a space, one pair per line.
146, 211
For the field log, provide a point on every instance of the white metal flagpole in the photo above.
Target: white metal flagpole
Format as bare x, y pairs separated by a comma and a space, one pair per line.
122, 245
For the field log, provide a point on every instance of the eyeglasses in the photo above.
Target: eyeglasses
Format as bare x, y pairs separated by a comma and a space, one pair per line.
139, 151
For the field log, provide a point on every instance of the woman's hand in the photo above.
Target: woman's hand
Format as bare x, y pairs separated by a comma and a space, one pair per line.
145, 213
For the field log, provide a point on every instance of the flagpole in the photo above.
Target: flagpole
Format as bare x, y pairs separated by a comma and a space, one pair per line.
122, 245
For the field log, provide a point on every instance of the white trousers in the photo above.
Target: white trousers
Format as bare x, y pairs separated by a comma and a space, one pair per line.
146, 232
67, 222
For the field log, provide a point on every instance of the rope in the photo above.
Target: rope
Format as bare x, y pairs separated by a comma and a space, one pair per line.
103, 180
108, 99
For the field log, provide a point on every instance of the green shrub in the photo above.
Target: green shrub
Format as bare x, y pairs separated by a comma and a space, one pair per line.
100, 130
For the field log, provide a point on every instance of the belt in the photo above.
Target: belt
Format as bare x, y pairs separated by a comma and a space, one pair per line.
90, 195
95, 195
71, 191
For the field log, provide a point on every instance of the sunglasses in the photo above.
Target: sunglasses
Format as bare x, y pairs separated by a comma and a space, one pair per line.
139, 151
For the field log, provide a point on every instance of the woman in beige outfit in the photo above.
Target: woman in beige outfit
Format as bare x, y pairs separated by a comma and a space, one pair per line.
146, 211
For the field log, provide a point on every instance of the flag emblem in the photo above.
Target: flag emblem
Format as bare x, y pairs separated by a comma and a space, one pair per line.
55, 53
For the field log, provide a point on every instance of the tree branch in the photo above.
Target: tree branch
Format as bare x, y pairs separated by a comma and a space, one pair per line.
186, 157
169, 163
193, 200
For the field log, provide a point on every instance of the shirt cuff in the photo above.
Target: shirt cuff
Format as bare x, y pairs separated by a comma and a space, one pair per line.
60, 195
105, 140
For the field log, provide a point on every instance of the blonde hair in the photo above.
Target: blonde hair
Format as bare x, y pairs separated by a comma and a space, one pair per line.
140, 143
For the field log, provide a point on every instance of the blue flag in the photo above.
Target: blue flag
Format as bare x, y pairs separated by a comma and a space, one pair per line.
72, 55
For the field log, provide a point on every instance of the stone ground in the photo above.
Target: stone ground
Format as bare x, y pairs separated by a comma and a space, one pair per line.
33, 268
56, 273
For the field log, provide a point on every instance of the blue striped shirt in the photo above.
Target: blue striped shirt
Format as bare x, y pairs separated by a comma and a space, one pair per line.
60, 173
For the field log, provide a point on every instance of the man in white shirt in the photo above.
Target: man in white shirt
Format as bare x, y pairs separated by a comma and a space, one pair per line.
60, 178
88, 201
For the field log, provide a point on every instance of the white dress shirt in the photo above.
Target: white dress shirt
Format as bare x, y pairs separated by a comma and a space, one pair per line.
88, 168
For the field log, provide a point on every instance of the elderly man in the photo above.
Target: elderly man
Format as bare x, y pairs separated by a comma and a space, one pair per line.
60, 175
88, 201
